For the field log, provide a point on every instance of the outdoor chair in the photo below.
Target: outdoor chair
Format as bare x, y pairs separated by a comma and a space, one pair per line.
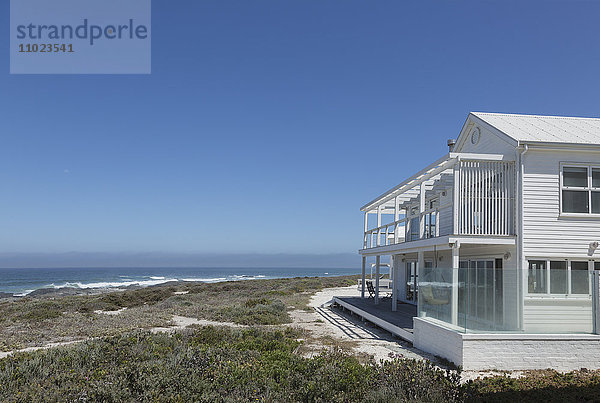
371, 289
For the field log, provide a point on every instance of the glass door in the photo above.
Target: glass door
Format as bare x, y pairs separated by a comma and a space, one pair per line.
411, 281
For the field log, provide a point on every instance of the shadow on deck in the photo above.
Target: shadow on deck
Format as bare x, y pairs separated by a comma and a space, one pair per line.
399, 323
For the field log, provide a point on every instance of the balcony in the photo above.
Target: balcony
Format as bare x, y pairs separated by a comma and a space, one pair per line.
459, 195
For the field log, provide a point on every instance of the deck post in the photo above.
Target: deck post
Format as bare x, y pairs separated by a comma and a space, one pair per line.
366, 229
455, 266
457, 208
596, 301
379, 225
395, 266
421, 210
363, 275
377, 264
418, 273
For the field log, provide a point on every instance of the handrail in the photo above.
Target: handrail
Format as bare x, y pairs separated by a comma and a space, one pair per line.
386, 225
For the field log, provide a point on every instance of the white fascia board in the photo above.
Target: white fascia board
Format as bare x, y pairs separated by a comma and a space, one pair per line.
483, 239
481, 157
440, 243
545, 145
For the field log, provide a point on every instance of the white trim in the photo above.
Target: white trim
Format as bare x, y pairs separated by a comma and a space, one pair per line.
550, 296
589, 188
441, 243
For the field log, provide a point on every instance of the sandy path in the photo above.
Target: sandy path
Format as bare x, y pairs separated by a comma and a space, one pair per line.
4, 354
181, 322
363, 336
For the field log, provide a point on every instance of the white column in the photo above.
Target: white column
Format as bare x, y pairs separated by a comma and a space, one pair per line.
366, 229
396, 218
406, 224
456, 208
421, 210
379, 225
377, 264
596, 300
363, 275
419, 271
395, 263
455, 266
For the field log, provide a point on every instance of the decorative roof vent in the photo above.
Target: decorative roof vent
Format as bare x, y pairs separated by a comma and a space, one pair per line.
451, 144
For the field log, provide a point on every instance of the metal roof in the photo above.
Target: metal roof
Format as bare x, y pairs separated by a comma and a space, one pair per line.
544, 129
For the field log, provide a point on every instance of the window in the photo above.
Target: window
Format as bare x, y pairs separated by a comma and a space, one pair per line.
581, 189
559, 277
580, 278
537, 277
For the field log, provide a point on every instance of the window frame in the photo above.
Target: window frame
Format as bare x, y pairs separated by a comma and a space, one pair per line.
548, 293
589, 188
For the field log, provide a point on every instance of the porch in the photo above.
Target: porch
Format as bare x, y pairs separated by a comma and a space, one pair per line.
399, 322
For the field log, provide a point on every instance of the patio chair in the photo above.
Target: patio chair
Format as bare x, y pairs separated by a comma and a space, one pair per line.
371, 290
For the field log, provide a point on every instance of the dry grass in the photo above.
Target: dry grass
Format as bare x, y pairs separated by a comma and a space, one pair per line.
38, 321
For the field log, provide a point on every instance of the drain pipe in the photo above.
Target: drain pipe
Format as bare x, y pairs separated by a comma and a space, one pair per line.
521, 258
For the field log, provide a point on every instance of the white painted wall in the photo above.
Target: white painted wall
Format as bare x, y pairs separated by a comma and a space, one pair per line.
547, 315
521, 352
490, 142
437, 341
548, 235
508, 351
545, 233
446, 210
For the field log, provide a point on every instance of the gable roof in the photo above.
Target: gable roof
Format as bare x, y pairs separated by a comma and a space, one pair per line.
544, 129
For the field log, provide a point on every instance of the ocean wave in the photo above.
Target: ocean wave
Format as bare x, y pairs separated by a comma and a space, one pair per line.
127, 281
205, 280
24, 293
112, 284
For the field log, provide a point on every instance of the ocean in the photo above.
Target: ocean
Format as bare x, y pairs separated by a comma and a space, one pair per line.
20, 282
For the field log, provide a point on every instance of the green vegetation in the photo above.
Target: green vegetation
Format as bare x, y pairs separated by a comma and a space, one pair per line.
538, 386
224, 364
124, 363
214, 364
38, 321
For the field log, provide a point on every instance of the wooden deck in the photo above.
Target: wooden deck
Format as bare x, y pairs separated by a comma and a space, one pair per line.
399, 323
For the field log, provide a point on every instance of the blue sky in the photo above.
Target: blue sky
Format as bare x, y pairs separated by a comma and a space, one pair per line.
265, 125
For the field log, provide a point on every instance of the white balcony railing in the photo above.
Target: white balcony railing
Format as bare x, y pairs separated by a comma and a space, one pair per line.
480, 200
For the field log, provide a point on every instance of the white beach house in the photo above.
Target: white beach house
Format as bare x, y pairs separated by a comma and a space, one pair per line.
493, 248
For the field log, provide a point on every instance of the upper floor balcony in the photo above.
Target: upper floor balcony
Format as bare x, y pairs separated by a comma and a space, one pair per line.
460, 194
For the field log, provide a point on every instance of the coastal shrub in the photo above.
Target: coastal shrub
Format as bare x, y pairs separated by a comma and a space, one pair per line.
257, 312
213, 364
537, 386
40, 310
251, 303
142, 296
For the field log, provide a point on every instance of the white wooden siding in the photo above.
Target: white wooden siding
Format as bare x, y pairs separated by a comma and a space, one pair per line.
545, 233
489, 143
446, 220
547, 315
